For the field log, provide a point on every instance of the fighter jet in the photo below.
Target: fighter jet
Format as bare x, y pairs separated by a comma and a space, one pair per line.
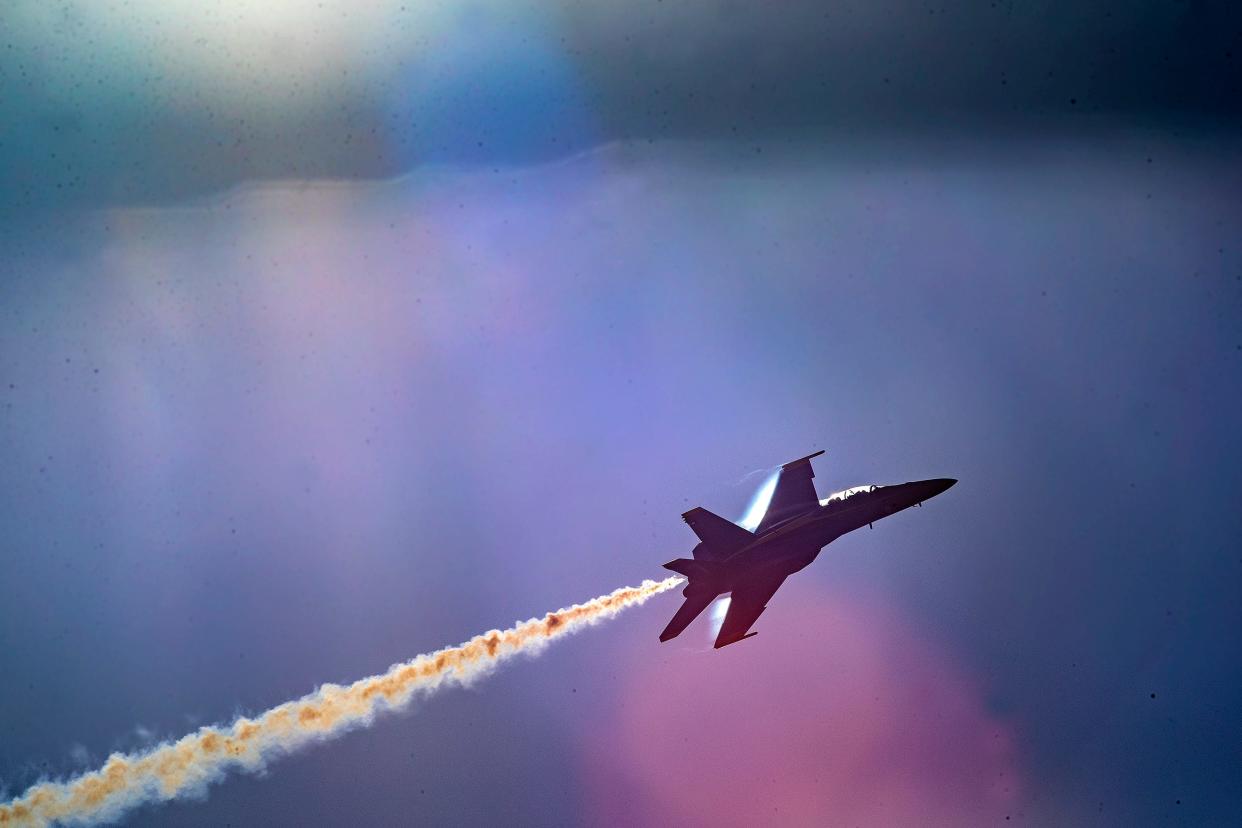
796, 526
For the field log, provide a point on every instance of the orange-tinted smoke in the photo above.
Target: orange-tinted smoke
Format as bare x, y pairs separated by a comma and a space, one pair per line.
190, 763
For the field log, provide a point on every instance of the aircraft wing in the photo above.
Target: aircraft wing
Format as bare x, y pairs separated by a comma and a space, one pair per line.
720, 537
689, 610
745, 607
794, 493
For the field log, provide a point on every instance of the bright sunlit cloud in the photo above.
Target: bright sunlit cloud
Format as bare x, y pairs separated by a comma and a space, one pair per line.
236, 48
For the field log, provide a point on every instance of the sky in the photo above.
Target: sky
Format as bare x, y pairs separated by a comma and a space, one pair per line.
328, 338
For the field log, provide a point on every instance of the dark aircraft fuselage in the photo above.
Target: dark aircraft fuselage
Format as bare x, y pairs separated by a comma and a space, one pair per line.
751, 566
794, 543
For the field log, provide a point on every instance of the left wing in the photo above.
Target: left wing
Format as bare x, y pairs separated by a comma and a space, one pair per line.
720, 537
745, 607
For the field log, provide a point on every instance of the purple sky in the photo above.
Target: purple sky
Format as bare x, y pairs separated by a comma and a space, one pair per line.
292, 434
334, 333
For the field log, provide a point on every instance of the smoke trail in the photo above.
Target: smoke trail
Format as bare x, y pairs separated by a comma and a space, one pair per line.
192, 762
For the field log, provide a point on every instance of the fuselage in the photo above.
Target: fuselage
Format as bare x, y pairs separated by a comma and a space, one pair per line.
792, 527
794, 543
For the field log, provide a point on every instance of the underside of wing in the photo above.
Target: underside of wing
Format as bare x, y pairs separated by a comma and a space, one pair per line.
793, 495
689, 610
745, 607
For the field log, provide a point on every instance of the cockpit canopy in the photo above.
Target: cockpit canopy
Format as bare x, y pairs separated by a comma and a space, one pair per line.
836, 497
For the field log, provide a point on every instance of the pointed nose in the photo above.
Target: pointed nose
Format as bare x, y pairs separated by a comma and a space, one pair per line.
927, 489
904, 495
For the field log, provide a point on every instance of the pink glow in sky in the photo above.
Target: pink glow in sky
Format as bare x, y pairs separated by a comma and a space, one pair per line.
845, 714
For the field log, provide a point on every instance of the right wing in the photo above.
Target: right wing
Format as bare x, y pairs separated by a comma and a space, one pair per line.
747, 604
794, 493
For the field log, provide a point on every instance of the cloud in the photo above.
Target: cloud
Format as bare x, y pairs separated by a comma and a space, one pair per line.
841, 712
156, 101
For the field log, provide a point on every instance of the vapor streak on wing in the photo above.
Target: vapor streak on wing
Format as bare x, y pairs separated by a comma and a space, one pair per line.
192, 762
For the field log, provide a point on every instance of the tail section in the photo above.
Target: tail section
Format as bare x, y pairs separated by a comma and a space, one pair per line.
700, 593
689, 568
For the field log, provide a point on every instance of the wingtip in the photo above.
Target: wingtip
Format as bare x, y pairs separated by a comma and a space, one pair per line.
803, 459
719, 644
669, 634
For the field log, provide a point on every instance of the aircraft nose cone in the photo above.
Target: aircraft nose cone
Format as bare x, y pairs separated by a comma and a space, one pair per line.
927, 489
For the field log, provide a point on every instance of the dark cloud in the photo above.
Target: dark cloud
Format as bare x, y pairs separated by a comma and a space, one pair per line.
157, 102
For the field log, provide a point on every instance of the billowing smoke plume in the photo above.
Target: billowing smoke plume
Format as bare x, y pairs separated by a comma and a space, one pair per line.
190, 763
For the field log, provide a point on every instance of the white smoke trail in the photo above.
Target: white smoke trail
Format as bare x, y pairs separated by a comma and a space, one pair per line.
189, 764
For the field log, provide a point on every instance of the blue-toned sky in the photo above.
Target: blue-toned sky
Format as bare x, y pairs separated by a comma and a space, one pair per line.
331, 337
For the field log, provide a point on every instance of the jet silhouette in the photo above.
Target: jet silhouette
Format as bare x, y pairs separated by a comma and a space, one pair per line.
797, 525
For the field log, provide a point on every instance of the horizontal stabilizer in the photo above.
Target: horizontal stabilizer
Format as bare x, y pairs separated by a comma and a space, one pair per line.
687, 567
